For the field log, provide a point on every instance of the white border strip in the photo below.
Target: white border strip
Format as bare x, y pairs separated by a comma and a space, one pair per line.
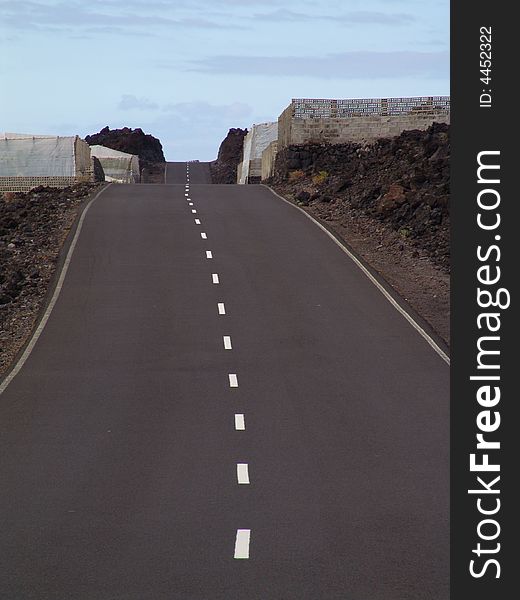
385, 293
54, 299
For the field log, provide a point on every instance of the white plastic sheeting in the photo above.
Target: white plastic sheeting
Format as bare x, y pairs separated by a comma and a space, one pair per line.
119, 167
256, 141
24, 155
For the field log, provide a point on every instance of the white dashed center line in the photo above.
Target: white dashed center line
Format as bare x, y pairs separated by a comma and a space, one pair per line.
221, 308
233, 380
193, 211
203, 236
215, 278
209, 254
197, 221
240, 422
242, 543
190, 203
243, 473
227, 342
186, 195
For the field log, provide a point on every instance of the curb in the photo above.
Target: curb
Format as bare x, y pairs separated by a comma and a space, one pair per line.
388, 292
56, 286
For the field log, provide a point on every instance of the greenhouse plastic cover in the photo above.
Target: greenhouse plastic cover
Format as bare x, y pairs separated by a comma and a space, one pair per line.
255, 142
118, 166
23, 155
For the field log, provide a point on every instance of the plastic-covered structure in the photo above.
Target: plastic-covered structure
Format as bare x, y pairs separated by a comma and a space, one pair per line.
27, 161
119, 167
255, 142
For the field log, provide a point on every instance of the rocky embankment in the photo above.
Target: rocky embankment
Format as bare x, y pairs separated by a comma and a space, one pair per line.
134, 141
33, 228
403, 182
224, 169
390, 202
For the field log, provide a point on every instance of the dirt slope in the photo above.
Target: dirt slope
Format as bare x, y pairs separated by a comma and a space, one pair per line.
33, 227
390, 202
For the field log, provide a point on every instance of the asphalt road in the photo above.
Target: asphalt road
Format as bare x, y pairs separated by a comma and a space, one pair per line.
121, 435
176, 173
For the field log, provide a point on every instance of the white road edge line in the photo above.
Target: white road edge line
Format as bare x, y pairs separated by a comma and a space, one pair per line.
240, 422
242, 543
54, 299
243, 473
214, 277
381, 288
227, 342
233, 380
209, 254
221, 308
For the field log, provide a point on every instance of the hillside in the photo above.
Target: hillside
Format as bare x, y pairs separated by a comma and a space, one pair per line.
224, 169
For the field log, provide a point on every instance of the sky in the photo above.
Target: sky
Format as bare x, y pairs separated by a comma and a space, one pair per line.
188, 70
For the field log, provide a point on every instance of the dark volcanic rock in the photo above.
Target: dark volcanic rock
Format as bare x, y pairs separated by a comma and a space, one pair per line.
33, 227
403, 182
133, 141
224, 169
99, 173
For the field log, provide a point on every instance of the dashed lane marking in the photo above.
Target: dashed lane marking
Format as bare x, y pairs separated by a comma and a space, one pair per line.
243, 473
242, 541
197, 221
214, 277
240, 422
193, 211
227, 342
233, 380
203, 236
209, 254
221, 308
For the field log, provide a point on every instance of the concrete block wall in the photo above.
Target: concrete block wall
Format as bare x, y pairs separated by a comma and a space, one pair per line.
255, 168
26, 184
295, 127
82, 160
285, 127
268, 160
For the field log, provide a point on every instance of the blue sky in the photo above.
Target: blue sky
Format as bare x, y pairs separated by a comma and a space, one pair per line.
188, 70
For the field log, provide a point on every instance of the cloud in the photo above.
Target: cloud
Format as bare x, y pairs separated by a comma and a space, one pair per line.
347, 65
350, 18
191, 130
205, 112
130, 102
105, 17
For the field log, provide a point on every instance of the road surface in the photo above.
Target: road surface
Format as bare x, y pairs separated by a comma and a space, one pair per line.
222, 406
